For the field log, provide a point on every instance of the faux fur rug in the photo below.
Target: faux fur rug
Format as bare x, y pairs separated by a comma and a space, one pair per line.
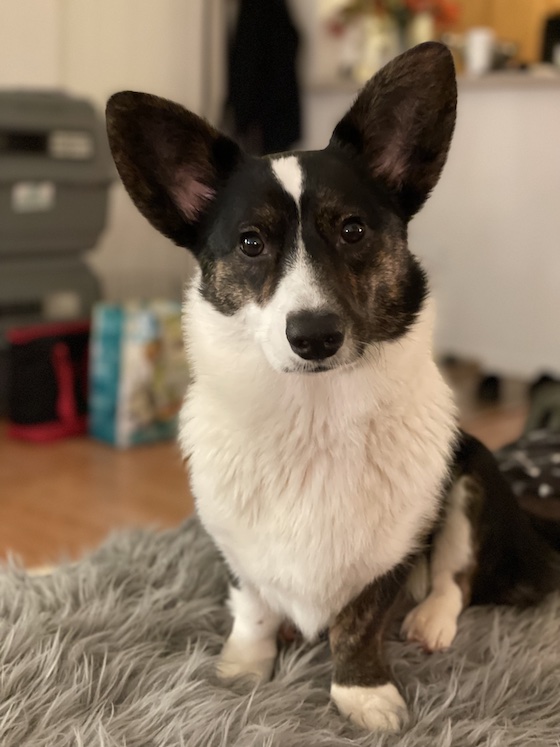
119, 650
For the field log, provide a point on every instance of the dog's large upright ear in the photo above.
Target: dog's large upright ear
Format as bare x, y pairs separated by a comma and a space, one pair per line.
171, 161
402, 122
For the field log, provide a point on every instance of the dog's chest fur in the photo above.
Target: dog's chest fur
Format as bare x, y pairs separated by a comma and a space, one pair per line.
313, 485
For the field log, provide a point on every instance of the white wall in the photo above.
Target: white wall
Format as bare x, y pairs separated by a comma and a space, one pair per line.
96, 47
29, 43
490, 234
110, 45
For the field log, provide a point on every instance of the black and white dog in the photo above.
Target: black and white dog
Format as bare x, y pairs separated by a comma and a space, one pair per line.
322, 440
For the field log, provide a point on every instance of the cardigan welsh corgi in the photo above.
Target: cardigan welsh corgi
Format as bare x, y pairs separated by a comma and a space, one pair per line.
323, 446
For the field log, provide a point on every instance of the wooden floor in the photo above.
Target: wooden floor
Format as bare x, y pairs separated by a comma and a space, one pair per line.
58, 500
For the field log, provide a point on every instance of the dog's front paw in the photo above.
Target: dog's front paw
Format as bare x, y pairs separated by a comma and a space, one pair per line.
379, 708
431, 624
252, 659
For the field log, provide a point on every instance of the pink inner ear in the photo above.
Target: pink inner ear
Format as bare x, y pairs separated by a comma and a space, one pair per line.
391, 164
191, 194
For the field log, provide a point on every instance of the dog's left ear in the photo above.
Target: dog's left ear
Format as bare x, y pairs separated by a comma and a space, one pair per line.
402, 123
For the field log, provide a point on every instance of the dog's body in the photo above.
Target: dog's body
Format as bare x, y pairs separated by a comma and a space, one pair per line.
274, 459
322, 441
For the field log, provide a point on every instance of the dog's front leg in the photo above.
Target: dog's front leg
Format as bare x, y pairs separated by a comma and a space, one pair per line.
362, 687
252, 645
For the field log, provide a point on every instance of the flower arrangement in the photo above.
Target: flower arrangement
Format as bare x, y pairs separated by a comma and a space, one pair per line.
371, 32
445, 13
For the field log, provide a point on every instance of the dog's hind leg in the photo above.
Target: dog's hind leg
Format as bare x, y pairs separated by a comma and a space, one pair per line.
433, 622
252, 645
362, 686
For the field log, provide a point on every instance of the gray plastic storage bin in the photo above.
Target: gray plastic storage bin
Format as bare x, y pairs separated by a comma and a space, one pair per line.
55, 172
55, 168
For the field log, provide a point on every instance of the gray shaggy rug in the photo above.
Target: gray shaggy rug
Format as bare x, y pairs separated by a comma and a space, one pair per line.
119, 650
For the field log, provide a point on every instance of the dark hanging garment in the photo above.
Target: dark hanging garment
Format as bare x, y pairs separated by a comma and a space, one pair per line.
551, 39
263, 101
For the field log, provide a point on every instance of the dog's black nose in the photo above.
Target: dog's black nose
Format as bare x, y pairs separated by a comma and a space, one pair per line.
314, 335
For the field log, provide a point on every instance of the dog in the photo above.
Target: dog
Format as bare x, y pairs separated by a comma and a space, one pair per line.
324, 452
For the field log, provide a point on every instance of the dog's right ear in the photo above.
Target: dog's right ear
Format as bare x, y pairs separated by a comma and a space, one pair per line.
171, 161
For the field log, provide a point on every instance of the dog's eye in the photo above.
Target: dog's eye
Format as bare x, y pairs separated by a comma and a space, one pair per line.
352, 231
251, 244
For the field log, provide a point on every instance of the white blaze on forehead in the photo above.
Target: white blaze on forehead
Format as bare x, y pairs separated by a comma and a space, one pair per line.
287, 170
299, 289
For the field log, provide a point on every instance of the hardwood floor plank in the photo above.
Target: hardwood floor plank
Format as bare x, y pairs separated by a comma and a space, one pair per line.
61, 498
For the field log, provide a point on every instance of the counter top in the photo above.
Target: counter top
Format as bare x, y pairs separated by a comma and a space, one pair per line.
540, 77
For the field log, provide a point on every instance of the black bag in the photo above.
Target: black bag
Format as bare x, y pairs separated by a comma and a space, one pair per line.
48, 380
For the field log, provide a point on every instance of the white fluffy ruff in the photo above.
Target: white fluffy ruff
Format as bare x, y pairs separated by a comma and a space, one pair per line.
121, 650
313, 485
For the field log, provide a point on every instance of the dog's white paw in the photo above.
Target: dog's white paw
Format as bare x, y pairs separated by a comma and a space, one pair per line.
254, 659
432, 624
373, 708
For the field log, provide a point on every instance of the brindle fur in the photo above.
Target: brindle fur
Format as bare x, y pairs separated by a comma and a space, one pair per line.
357, 635
379, 285
512, 563
473, 510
